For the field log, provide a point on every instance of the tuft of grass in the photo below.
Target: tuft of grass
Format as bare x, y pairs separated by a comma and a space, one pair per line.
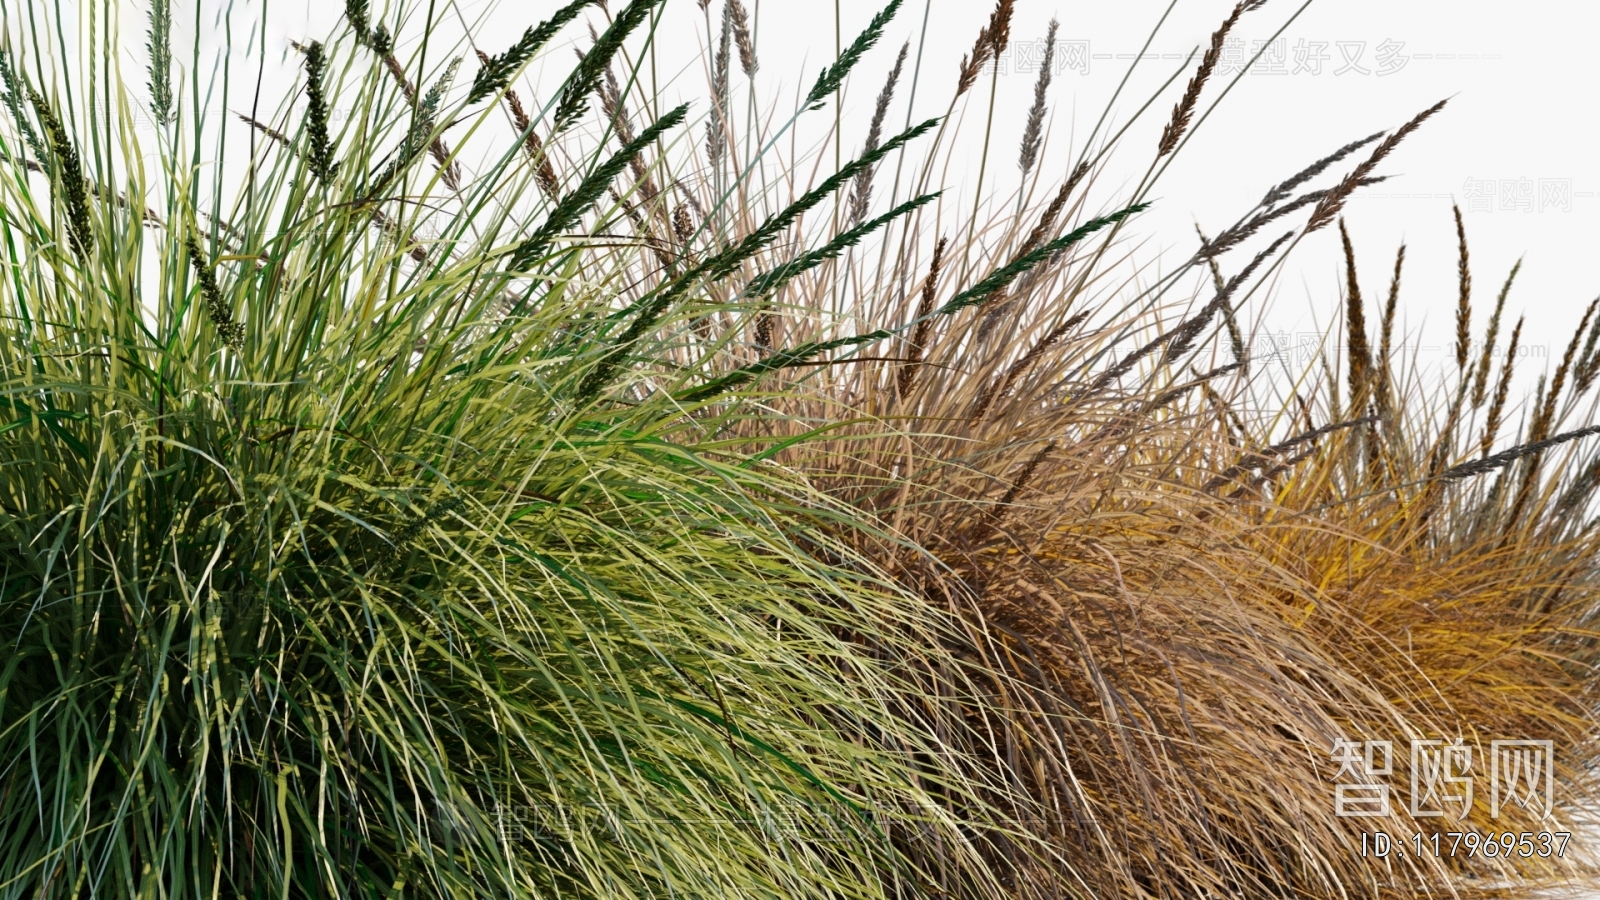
655, 526
331, 569
1183, 593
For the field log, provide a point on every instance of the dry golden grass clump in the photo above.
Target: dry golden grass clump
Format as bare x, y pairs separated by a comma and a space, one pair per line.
1185, 597
1183, 615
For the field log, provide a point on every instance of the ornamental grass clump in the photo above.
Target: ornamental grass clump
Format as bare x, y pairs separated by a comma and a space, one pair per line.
1193, 576
533, 489
357, 542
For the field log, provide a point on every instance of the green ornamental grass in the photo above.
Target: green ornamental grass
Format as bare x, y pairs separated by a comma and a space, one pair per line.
353, 546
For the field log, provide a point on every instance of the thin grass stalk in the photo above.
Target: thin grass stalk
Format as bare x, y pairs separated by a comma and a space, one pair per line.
1491, 427
1480, 384
1464, 296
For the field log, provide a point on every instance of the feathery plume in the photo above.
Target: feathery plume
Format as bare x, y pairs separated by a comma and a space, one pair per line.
319, 156
355, 12
1355, 326
231, 332
1230, 421
1333, 201
1260, 459
426, 112
1235, 236
1531, 471
833, 76
68, 169
1507, 457
160, 47
586, 77
611, 104
398, 73
1001, 302
1589, 362
1385, 383
14, 94
377, 38
924, 319
1047, 221
1032, 134
1502, 389
1309, 172
1582, 487
1184, 110
571, 208
1025, 476
995, 283
992, 38
862, 194
449, 172
611, 101
1481, 382
743, 40
544, 172
1241, 354
497, 71
1000, 26
716, 137
1463, 294
1446, 442
1546, 417
682, 225
1235, 336
1180, 339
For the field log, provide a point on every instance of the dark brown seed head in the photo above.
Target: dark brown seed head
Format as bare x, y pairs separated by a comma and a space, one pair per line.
682, 225
919, 334
1481, 382
1385, 379
1332, 202
1502, 390
1355, 326
1463, 296
1184, 110
992, 38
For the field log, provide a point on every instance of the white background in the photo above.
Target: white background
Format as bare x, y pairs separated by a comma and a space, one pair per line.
1518, 146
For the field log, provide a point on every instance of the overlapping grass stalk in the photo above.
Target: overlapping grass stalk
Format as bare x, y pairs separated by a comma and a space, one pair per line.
517, 489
